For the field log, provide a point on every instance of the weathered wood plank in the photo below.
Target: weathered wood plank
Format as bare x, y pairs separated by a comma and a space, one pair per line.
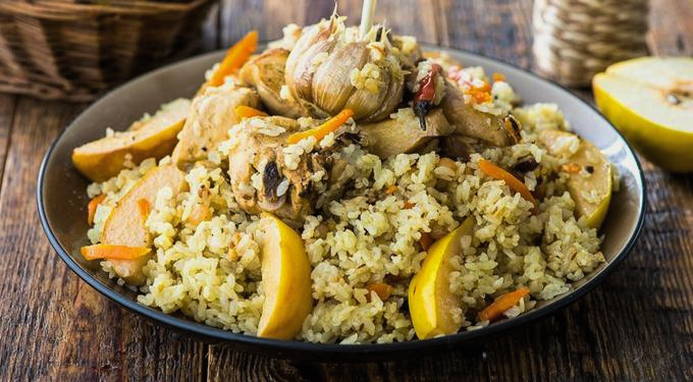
270, 16
498, 29
7, 107
671, 27
267, 17
410, 17
211, 32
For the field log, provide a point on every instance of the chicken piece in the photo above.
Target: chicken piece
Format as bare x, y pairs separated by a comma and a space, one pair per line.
456, 146
268, 176
266, 74
403, 134
470, 122
211, 116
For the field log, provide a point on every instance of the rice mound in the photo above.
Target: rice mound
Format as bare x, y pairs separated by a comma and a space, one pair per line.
211, 271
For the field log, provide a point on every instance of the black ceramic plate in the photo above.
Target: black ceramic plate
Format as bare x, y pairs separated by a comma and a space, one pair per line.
62, 202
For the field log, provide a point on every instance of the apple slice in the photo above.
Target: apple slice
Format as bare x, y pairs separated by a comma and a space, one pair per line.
286, 281
125, 224
650, 100
590, 182
431, 304
152, 137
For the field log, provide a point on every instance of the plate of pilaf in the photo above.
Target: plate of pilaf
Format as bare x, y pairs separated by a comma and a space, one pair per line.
340, 195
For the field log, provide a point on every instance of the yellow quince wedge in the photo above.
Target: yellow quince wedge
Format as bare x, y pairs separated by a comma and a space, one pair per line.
285, 279
125, 225
434, 310
151, 137
590, 181
650, 100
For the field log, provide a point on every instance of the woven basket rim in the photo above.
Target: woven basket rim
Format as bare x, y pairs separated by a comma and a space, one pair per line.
67, 11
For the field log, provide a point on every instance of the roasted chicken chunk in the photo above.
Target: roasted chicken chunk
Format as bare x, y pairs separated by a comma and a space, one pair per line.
211, 116
470, 122
403, 134
266, 74
267, 174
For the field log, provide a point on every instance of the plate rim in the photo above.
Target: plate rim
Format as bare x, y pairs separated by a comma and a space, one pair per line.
286, 347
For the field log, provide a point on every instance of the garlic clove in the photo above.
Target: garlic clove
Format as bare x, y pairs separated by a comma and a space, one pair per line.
364, 101
392, 98
332, 81
310, 36
300, 66
306, 68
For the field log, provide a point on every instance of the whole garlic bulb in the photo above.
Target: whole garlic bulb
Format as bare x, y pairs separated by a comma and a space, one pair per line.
332, 68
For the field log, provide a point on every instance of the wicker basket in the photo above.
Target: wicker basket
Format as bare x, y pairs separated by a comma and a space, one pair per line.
575, 39
69, 50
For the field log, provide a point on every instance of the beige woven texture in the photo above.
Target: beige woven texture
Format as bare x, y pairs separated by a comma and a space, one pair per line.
575, 39
59, 49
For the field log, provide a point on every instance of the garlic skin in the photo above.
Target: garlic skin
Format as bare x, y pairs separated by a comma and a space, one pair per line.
332, 68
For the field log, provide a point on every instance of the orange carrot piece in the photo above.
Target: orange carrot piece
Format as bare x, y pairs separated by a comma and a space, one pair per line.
243, 112
486, 87
498, 77
408, 205
426, 240
490, 169
502, 303
235, 57
391, 189
321, 131
144, 207
481, 97
571, 168
108, 251
199, 214
91, 207
384, 291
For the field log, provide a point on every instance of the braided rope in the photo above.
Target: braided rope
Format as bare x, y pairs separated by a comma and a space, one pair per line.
575, 39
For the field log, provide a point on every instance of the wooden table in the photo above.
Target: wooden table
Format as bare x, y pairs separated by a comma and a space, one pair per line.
638, 325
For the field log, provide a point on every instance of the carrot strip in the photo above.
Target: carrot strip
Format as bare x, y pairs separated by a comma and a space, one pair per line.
199, 214
502, 303
498, 77
321, 131
243, 112
384, 291
235, 57
144, 207
108, 251
490, 169
572, 168
391, 189
426, 240
91, 207
408, 205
